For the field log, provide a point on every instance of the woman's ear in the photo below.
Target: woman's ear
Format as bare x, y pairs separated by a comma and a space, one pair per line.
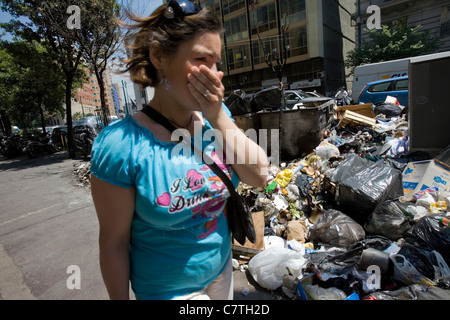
155, 54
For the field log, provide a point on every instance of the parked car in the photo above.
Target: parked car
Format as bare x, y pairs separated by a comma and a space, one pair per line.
294, 97
376, 92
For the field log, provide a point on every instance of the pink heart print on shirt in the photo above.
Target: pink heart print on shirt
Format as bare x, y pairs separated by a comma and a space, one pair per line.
194, 180
163, 200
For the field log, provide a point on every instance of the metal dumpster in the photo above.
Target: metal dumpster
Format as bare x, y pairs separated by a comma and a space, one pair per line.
302, 127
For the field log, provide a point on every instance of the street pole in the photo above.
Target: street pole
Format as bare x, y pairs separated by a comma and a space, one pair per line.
124, 84
359, 24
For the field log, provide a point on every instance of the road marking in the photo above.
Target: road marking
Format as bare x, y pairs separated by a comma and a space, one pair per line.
12, 286
28, 214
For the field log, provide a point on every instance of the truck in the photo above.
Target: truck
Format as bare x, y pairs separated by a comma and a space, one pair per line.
429, 110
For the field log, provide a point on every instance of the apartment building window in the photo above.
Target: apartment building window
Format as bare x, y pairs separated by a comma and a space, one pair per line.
445, 22
297, 42
236, 29
269, 47
293, 10
214, 4
263, 19
230, 6
238, 57
306, 69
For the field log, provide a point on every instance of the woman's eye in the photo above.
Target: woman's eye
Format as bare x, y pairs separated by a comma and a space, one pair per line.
202, 59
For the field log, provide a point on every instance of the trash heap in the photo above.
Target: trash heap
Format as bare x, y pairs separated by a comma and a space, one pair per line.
348, 222
82, 174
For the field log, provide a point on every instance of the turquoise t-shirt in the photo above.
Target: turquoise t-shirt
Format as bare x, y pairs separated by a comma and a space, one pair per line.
180, 240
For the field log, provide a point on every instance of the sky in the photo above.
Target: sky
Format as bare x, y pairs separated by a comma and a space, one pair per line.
140, 7
144, 8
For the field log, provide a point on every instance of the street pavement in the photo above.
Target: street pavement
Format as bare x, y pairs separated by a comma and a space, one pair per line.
49, 235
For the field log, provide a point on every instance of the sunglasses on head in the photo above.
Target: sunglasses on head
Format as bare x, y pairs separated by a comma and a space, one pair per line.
181, 8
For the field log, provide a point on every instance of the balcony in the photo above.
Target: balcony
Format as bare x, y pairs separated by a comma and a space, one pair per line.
379, 2
391, 3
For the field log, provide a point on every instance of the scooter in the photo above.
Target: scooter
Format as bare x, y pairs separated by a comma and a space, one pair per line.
84, 141
36, 148
12, 146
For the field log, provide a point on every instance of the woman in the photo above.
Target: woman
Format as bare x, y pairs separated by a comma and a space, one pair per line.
162, 224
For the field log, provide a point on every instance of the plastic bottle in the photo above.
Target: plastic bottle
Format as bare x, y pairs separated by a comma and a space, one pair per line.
445, 221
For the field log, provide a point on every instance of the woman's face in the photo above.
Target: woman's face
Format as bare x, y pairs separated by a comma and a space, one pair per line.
203, 49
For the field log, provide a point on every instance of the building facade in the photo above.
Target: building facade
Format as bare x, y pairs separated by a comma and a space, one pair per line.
432, 15
87, 98
117, 99
313, 35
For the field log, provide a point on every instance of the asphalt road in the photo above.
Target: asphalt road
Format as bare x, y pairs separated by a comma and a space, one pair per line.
49, 232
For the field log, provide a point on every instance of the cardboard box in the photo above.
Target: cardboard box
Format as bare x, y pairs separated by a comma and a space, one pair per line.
436, 175
413, 174
362, 109
353, 119
248, 250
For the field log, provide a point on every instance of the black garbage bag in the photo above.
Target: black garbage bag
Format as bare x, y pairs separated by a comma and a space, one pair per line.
426, 262
336, 229
267, 99
388, 109
334, 268
429, 234
347, 168
304, 183
362, 185
389, 220
333, 265
237, 104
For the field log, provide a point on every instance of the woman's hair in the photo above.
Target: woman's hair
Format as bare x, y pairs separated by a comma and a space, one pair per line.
168, 33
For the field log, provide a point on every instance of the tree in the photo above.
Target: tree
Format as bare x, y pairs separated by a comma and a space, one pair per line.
391, 43
40, 27
32, 82
95, 32
75, 30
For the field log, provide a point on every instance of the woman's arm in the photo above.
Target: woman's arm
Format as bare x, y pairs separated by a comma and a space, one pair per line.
115, 208
247, 158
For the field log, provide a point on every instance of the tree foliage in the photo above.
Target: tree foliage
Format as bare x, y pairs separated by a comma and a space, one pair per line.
32, 84
95, 32
93, 42
392, 43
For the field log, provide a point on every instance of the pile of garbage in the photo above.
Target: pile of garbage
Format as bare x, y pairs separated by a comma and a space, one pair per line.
82, 174
349, 222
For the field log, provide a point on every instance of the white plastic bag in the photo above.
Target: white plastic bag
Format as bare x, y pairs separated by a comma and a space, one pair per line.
326, 150
442, 269
406, 273
270, 266
319, 293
